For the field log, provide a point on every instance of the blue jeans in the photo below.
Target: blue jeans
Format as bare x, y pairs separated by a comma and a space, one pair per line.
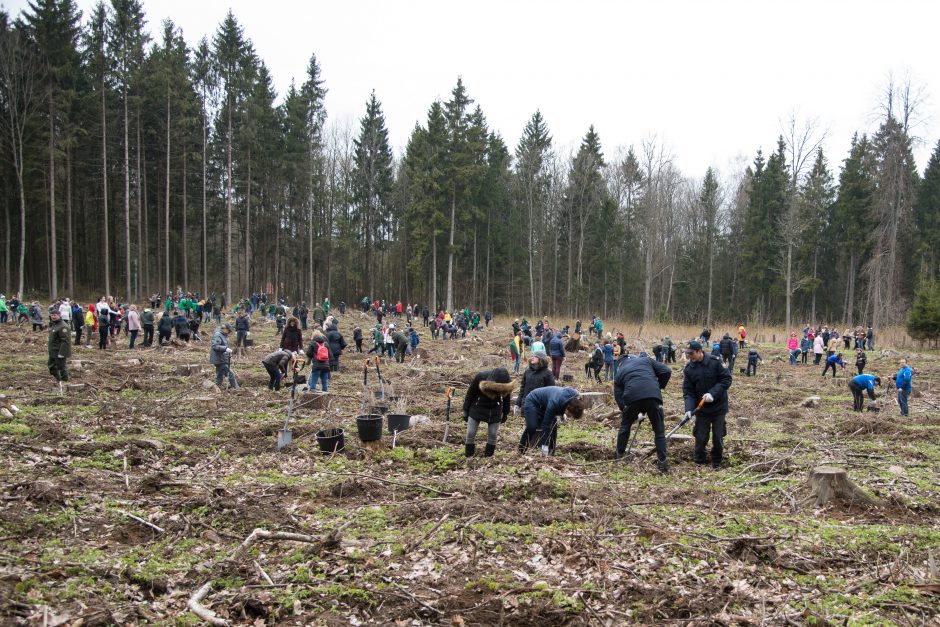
515, 367
871, 344
133, 337
903, 395
319, 375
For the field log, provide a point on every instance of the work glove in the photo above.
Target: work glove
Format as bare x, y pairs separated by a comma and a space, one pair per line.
545, 450
515, 410
228, 351
688, 416
708, 398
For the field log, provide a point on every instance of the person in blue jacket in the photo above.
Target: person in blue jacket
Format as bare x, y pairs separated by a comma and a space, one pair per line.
902, 381
608, 360
806, 347
556, 349
541, 410
831, 362
860, 384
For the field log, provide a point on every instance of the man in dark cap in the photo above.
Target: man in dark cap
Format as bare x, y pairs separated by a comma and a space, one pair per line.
638, 389
60, 348
707, 381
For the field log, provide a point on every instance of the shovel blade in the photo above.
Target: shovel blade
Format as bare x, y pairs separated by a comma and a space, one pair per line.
284, 437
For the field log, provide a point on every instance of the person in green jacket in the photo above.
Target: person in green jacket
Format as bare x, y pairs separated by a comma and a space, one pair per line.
326, 307
319, 315
60, 346
3, 309
169, 304
147, 321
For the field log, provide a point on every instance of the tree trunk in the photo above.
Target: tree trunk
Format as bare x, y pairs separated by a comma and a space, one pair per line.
248, 226
185, 210
140, 273
53, 262
127, 204
450, 251
205, 256
812, 315
69, 259
647, 282
166, 205
18, 162
789, 281
711, 275
228, 208
104, 195
850, 290
433, 271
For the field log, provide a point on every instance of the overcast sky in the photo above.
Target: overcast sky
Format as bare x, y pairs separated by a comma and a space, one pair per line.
714, 80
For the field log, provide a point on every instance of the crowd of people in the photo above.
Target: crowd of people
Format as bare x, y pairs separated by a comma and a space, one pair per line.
638, 378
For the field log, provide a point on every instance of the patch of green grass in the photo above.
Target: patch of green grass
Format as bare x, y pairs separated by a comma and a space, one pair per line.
101, 460
15, 428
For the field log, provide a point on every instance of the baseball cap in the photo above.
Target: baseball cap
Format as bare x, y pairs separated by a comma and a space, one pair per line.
694, 345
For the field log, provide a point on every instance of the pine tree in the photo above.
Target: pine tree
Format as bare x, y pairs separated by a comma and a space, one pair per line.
313, 93
584, 197
923, 321
853, 217
532, 155
372, 184
927, 220
53, 27
709, 202
817, 200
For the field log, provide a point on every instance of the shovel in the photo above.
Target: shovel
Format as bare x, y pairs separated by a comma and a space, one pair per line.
365, 386
685, 421
284, 436
628, 454
450, 395
381, 380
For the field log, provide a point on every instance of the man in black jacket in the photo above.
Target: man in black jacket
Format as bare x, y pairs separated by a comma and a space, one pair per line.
487, 400
706, 379
637, 390
537, 375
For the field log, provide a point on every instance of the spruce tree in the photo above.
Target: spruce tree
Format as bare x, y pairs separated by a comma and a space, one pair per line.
927, 221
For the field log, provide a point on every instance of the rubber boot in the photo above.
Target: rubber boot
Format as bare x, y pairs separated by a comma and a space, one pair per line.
490, 449
470, 449
664, 468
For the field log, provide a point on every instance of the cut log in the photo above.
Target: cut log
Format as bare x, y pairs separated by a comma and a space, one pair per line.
828, 483
744, 422
209, 384
76, 387
188, 370
593, 399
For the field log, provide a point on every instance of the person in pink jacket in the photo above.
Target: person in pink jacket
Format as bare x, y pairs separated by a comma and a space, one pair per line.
819, 349
133, 324
793, 348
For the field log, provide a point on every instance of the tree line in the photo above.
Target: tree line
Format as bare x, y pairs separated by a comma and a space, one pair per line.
134, 163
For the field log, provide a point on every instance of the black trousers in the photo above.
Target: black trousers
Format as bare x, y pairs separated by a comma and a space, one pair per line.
57, 368
531, 437
359, 346
858, 395
78, 335
102, 335
751, 368
826, 369
706, 426
275, 374
654, 412
148, 335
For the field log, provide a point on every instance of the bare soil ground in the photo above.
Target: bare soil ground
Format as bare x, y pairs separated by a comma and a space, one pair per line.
121, 499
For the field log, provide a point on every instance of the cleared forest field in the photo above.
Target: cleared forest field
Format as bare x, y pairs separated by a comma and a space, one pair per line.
122, 499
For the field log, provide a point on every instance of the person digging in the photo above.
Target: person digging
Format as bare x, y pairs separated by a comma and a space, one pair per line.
861, 384
706, 379
638, 390
542, 409
487, 400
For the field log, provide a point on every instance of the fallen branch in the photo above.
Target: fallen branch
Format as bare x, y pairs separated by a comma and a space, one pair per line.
196, 607
263, 534
416, 543
140, 520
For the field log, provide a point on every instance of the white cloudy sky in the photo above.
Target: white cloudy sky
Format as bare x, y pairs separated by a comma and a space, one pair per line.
712, 79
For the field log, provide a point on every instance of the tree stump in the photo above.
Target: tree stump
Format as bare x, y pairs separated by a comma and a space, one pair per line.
373, 446
492, 361
744, 422
420, 353
829, 482
593, 399
810, 402
314, 400
206, 403
209, 384
188, 370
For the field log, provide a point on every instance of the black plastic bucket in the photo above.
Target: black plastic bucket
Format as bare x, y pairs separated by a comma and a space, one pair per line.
331, 440
398, 422
370, 427
379, 410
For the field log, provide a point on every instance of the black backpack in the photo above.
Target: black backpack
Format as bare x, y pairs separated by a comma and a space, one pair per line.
725, 347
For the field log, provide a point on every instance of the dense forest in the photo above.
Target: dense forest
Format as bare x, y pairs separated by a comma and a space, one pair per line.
133, 163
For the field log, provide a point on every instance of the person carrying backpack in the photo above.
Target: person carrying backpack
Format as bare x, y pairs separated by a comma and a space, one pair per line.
319, 354
742, 336
726, 348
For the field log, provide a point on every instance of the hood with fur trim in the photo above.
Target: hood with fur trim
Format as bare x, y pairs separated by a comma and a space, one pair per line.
495, 390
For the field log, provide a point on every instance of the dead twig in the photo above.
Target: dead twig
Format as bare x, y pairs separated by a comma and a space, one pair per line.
196, 607
140, 520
